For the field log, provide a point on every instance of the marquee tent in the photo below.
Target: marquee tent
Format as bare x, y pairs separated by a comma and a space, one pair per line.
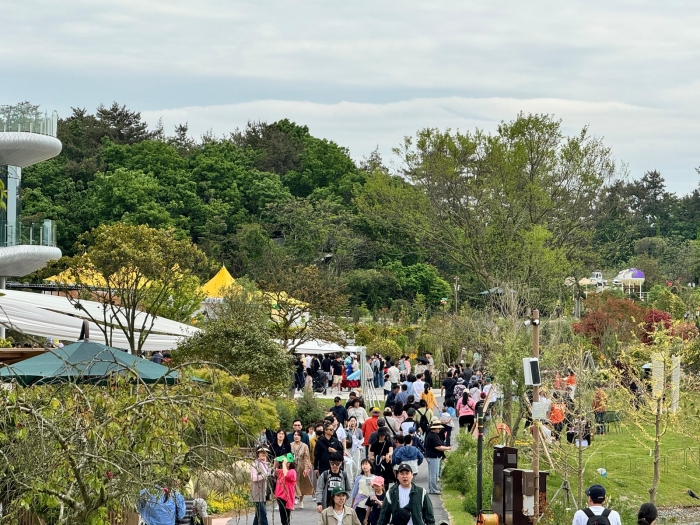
217, 285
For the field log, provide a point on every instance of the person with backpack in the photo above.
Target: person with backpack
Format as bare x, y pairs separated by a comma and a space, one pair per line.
408, 454
596, 513
331, 479
406, 502
423, 417
465, 410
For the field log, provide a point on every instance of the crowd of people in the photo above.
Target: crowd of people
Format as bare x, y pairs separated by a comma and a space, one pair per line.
358, 464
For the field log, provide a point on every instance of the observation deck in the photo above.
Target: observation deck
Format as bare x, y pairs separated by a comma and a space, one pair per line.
27, 137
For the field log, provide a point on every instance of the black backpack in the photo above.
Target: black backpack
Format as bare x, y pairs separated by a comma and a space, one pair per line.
595, 519
423, 422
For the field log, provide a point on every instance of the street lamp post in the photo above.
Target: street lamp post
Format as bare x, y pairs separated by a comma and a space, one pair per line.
535, 399
456, 288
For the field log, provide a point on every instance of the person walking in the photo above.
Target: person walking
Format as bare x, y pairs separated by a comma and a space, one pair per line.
285, 487
596, 498
326, 446
406, 502
374, 503
302, 460
380, 454
647, 514
279, 446
434, 452
354, 442
356, 411
259, 476
362, 489
338, 513
408, 454
329, 480
465, 410
599, 405
371, 425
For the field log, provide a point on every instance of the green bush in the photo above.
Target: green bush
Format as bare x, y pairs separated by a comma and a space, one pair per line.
459, 472
309, 409
286, 412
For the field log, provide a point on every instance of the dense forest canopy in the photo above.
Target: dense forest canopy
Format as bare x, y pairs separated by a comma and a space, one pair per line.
526, 205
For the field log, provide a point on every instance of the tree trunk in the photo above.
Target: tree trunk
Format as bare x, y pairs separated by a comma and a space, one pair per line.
657, 451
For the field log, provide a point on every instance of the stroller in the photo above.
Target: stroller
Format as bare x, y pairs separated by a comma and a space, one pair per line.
319, 382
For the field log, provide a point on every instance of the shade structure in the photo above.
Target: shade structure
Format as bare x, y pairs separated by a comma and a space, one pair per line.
218, 284
87, 362
630, 275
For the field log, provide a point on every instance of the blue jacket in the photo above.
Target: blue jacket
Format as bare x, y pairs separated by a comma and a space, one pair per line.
155, 510
406, 453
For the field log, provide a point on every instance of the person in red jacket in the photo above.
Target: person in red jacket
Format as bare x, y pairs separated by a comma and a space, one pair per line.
370, 425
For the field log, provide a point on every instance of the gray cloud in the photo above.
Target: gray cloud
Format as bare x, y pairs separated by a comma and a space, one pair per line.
629, 69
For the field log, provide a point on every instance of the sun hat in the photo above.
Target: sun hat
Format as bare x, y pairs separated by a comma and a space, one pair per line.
460, 380
376, 410
436, 424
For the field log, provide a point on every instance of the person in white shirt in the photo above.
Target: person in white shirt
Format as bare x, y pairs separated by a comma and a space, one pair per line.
394, 374
596, 498
418, 386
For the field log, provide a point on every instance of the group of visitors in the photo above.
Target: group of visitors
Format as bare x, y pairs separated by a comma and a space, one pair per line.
596, 512
350, 458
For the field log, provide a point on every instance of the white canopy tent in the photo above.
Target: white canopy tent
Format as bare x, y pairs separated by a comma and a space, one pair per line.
61, 304
47, 316
325, 347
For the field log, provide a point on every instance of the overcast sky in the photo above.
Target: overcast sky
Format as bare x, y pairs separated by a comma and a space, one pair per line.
366, 73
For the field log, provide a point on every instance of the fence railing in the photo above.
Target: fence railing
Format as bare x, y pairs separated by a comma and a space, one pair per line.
37, 233
27, 118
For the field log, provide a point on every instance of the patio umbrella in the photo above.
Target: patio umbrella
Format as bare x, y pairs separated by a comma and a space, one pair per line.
87, 362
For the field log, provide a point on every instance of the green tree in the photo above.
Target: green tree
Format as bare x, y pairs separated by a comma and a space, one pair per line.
515, 205
241, 343
72, 452
141, 270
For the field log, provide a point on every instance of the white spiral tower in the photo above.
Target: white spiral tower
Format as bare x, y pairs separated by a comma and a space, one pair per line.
27, 137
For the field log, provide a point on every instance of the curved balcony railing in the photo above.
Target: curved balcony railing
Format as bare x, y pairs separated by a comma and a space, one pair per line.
38, 233
26, 117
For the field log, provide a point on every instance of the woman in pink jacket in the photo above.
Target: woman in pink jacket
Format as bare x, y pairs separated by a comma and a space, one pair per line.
465, 411
284, 489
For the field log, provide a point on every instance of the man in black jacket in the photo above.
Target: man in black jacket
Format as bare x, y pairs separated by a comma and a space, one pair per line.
326, 445
341, 414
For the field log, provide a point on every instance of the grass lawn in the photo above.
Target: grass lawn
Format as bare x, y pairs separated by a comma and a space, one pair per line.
454, 505
625, 454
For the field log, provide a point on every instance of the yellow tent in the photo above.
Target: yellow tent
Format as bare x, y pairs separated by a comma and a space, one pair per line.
218, 284
85, 277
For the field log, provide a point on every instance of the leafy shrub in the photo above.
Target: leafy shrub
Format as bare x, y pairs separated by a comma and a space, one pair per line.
459, 472
309, 409
285, 412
